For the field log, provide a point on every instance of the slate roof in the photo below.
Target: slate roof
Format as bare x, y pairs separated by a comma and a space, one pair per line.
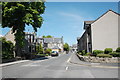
55, 47
52, 40
88, 22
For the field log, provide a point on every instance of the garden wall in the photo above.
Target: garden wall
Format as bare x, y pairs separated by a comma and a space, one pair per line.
99, 60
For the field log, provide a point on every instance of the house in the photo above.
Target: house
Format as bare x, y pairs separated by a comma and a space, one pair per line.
56, 44
101, 33
30, 43
10, 36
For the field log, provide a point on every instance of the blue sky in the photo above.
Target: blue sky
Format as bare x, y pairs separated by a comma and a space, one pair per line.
66, 18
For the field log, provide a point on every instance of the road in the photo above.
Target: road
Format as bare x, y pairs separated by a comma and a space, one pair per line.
57, 67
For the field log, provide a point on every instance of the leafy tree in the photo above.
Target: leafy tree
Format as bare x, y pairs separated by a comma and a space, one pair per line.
16, 15
43, 36
66, 47
49, 36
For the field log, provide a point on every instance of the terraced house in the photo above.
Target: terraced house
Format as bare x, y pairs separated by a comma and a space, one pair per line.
101, 33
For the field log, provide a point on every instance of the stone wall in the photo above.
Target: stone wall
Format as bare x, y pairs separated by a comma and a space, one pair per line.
99, 60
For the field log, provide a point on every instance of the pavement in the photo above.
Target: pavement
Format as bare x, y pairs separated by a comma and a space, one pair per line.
12, 63
102, 65
62, 66
22, 61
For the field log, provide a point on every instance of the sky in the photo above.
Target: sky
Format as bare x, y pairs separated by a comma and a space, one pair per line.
67, 18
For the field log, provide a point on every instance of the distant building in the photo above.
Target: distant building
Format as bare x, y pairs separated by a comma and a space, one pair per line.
31, 41
101, 33
56, 44
74, 47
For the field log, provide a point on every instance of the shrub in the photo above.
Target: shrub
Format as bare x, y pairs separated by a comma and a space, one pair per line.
108, 50
88, 54
79, 53
104, 55
47, 55
95, 52
118, 49
48, 51
83, 52
7, 49
115, 54
41, 55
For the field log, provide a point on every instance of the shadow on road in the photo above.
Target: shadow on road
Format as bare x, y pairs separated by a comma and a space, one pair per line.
41, 58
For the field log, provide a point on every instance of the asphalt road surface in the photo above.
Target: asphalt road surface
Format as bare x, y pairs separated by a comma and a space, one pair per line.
62, 66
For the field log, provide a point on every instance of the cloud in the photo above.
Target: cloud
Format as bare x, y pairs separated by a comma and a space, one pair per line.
72, 16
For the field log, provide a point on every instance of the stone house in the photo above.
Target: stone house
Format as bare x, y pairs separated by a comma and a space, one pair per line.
56, 44
30, 42
101, 33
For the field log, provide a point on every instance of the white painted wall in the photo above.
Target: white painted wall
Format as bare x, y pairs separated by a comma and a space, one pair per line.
105, 32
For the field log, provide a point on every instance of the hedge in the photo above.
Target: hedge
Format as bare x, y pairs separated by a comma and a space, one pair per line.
95, 52
118, 49
115, 54
104, 55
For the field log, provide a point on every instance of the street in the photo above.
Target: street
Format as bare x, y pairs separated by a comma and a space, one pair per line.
62, 66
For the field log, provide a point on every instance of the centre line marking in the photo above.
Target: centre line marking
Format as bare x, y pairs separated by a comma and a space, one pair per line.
68, 60
66, 68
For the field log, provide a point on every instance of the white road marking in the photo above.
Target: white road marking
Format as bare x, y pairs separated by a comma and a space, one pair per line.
66, 68
68, 60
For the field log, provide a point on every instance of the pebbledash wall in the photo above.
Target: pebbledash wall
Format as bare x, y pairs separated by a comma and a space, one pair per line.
105, 32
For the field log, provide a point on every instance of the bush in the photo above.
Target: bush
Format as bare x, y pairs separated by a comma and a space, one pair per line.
47, 55
7, 49
104, 55
87, 54
115, 54
95, 52
118, 49
79, 53
108, 50
41, 55
48, 51
83, 52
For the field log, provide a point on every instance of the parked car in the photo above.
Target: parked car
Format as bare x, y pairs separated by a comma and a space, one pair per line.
54, 53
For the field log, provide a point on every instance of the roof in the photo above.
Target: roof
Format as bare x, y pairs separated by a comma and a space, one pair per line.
106, 13
90, 22
52, 40
55, 47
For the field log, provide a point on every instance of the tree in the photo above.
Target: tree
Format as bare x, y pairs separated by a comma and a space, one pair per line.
66, 47
39, 49
16, 15
49, 36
